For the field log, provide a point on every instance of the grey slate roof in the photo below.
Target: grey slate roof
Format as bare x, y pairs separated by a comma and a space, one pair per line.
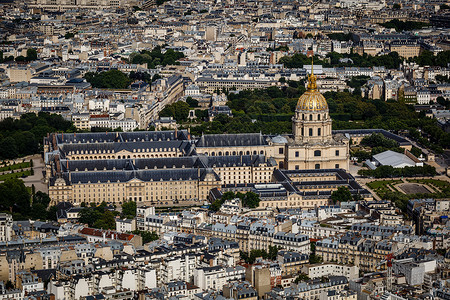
101, 137
231, 140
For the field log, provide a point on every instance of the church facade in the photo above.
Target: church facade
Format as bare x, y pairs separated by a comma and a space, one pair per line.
312, 144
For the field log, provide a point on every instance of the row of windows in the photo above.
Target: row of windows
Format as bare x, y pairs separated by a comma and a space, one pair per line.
319, 132
316, 153
236, 153
317, 166
311, 117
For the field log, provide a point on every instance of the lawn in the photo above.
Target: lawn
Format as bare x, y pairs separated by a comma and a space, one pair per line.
22, 165
382, 189
382, 184
15, 175
434, 182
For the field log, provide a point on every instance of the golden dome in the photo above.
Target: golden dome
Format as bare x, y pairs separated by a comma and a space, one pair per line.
312, 100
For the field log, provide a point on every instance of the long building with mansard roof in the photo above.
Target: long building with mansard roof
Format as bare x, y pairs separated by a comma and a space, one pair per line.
167, 168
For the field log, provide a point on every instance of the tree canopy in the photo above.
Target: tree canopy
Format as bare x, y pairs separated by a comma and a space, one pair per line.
113, 79
400, 26
147, 236
98, 216
24, 204
389, 171
342, 194
270, 111
156, 57
129, 209
298, 60
301, 277
178, 110
192, 102
427, 58
343, 37
249, 200
251, 257
390, 61
24, 137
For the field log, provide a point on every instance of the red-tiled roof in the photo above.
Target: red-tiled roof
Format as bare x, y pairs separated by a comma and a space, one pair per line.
108, 234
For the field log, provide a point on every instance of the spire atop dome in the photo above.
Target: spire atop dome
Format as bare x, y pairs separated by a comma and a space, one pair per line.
312, 99
312, 80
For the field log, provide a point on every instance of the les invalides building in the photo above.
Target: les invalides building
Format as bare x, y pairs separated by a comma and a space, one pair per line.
169, 168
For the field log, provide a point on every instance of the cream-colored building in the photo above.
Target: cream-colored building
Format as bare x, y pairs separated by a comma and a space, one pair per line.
405, 49
19, 74
166, 168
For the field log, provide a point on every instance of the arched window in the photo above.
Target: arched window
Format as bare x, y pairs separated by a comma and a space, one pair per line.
319, 131
317, 153
310, 132
317, 166
310, 117
318, 117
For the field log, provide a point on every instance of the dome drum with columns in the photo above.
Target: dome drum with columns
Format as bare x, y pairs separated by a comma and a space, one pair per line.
313, 144
311, 121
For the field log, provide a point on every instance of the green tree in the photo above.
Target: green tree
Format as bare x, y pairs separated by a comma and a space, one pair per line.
69, 35
340, 36
147, 236
192, 102
215, 206
89, 216
315, 259
443, 101
342, 194
41, 198
14, 196
113, 79
129, 209
228, 196
8, 148
31, 54
426, 58
404, 25
298, 60
273, 252
378, 140
301, 277
20, 58
178, 110
251, 200
52, 213
155, 57
106, 221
